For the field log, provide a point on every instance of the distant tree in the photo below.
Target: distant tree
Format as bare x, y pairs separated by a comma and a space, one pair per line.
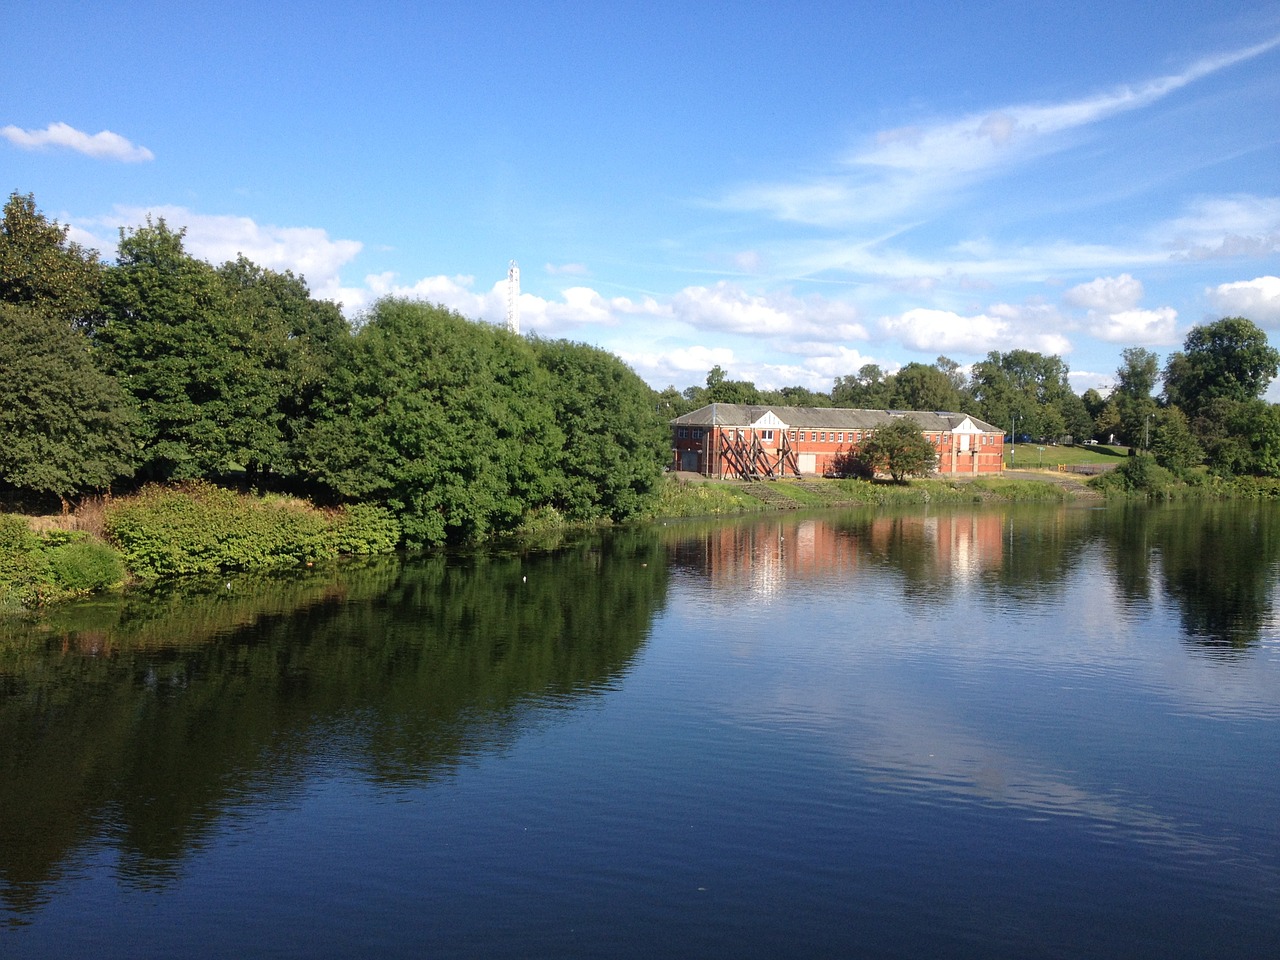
900, 449
1172, 443
795, 397
869, 389
1217, 380
954, 373
1094, 405
1230, 359
671, 403
720, 389
1028, 387
39, 267
920, 387
66, 428
614, 440
1136, 378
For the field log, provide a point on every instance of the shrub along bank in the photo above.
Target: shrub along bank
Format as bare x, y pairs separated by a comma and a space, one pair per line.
189, 529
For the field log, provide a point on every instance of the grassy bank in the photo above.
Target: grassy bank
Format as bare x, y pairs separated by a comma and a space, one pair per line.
702, 498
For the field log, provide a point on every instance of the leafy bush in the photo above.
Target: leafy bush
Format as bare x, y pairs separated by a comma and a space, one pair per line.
61, 564
200, 528
23, 565
83, 566
363, 529
1137, 476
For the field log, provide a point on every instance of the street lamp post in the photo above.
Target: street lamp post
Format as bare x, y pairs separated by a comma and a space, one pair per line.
1013, 448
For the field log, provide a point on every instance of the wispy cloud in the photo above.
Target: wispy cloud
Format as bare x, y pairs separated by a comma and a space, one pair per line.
1214, 228
103, 145
903, 170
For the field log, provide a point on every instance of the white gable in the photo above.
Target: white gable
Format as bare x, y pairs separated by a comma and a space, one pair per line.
769, 421
965, 426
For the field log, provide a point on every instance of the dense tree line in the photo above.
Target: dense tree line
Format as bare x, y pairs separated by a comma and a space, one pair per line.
1209, 409
162, 367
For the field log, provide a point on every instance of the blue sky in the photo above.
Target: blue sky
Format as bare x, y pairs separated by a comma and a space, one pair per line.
790, 192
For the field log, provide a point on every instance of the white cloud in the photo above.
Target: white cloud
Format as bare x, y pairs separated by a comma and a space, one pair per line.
728, 308
680, 366
103, 145
307, 251
1114, 315
577, 306
911, 168
1257, 299
1136, 327
1002, 327
1107, 294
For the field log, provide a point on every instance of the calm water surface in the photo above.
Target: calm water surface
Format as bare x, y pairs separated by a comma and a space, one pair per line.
1048, 732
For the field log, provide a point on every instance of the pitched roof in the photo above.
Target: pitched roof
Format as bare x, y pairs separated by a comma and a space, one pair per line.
825, 418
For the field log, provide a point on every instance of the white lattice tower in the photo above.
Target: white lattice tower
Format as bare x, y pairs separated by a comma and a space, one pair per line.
513, 297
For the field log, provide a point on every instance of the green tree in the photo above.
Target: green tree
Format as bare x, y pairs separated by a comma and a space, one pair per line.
720, 389
1136, 378
295, 337
1030, 389
41, 268
195, 364
796, 396
1227, 360
1217, 380
447, 422
1172, 443
66, 427
868, 389
671, 403
918, 386
900, 449
614, 440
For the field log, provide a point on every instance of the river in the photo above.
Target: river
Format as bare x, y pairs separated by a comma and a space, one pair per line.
1015, 732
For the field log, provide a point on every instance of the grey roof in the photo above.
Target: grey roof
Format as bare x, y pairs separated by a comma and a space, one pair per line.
824, 418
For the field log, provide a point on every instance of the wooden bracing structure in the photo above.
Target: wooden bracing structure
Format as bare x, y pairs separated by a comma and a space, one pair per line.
747, 458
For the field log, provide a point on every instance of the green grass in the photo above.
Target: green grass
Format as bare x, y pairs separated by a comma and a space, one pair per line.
692, 498
1030, 457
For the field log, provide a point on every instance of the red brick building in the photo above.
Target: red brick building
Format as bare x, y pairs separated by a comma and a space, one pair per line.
749, 441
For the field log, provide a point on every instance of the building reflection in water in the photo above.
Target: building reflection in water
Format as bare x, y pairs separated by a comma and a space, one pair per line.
762, 556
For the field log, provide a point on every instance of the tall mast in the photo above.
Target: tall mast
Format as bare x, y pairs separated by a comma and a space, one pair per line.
513, 297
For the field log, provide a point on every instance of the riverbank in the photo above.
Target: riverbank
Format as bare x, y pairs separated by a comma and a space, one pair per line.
198, 528
689, 495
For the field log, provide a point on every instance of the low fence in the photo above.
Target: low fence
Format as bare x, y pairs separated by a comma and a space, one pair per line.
1088, 469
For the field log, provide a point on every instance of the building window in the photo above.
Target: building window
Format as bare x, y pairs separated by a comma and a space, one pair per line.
766, 435
682, 432
697, 433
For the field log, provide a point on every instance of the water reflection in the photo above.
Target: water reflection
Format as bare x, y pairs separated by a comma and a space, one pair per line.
1218, 562
143, 720
909, 705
